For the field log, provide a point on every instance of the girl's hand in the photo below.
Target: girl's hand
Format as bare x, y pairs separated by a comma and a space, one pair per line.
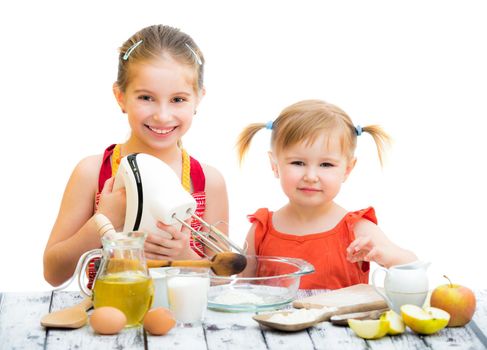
371, 244
365, 249
112, 204
175, 248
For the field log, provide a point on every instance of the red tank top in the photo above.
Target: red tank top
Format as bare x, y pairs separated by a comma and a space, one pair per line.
197, 180
326, 251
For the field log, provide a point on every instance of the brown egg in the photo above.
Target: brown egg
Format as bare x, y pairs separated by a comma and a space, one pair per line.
107, 320
159, 321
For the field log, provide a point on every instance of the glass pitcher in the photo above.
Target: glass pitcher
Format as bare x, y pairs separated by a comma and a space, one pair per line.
122, 280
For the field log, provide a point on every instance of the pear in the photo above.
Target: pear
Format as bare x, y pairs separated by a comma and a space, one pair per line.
424, 321
369, 329
396, 324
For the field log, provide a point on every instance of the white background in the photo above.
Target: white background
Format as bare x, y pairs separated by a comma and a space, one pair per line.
418, 68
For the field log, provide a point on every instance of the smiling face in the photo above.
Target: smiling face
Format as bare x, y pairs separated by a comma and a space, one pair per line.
160, 102
312, 174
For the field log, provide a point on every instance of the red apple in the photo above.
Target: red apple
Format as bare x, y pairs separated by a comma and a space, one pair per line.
457, 300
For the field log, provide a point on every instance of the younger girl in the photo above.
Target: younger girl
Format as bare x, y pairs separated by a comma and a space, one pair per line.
312, 153
159, 87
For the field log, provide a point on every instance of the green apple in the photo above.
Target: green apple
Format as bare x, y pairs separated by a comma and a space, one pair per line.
457, 300
396, 324
369, 329
424, 321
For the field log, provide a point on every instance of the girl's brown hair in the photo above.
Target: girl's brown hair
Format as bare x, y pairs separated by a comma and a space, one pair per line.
304, 121
154, 42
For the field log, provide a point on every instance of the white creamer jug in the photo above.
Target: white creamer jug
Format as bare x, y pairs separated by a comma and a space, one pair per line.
404, 284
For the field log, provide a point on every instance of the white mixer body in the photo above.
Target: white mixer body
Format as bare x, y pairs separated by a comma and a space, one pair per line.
153, 193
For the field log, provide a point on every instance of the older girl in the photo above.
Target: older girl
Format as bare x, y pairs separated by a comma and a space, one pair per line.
159, 87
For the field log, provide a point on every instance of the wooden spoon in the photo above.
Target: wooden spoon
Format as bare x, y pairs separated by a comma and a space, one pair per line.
265, 319
222, 264
71, 317
337, 315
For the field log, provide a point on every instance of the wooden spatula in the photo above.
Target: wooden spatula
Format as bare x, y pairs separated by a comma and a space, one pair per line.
71, 317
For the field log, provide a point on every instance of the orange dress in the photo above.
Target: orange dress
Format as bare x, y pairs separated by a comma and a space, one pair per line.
326, 251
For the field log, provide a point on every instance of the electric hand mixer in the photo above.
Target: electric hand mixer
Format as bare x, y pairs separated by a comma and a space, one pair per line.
154, 193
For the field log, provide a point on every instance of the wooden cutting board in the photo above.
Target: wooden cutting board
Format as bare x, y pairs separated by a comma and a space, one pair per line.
357, 298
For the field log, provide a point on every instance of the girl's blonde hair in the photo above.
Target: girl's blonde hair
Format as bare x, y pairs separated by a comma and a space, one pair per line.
304, 121
154, 42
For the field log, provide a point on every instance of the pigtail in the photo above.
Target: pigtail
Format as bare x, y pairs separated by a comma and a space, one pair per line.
381, 138
244, 139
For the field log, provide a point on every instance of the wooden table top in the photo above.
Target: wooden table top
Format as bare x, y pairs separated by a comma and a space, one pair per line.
20, 328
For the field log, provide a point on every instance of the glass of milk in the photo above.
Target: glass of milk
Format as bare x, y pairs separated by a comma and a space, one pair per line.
159, 279
187, 291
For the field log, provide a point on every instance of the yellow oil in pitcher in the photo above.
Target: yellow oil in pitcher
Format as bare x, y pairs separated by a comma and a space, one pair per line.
130, 293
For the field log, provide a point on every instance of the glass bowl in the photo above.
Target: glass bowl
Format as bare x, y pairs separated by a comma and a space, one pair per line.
268, 282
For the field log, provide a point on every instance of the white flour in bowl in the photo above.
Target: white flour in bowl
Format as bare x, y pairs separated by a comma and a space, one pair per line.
236, 297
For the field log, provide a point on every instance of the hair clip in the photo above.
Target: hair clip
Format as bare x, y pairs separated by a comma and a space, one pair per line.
358, 130
269, 125
131, 48
194, 53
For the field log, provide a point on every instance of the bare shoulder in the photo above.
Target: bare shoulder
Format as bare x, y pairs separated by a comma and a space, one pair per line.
216, 210
85, 174
88, 167
90, 163
214, 179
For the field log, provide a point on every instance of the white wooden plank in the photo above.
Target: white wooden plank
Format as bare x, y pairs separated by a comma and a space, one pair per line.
84, 337
287, 340
479, 321
233, 330
20, 315
454, 338
457, 338
327, 336
407, 340
20, 328
179, 338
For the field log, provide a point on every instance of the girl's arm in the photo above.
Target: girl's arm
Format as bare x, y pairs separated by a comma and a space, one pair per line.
250, 241
75, 231
371, 244
250, 269
216, 212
